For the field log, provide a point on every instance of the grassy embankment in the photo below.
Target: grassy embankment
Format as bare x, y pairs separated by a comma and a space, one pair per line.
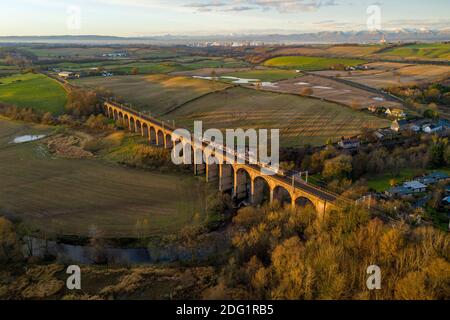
310, 63
60, 196
33, 91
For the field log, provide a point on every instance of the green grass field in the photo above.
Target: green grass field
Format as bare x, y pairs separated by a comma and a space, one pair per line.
382, 182
8, 70
310, 63
300, 120
153, 67
55, 52
34, 91
68, 196
431, 51
157, 93
270, 75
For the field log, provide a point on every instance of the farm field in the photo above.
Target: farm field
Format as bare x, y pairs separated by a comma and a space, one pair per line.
69, 196
423, 51
331, 90
156, 93
270, 75
301, 120
152, 67
310, 63
70, 51
207, 72
388, 74
335, 51
33, 91
8, 70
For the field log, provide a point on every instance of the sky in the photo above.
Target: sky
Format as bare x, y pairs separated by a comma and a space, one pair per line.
210, 17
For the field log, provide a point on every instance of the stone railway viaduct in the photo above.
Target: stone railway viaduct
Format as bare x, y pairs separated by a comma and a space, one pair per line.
243, 181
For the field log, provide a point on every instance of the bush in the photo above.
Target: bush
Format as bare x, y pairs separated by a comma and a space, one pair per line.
82, 103
9, 242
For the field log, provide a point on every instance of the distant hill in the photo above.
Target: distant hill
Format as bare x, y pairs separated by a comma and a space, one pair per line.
403, 35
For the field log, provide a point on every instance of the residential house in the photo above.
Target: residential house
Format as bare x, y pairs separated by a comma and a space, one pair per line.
398, 113
372, 109
68, 75
398, 192
444, 123
446, 201
399, 125
115, 54
348, 144
384, 134
434, 178
432, 128
415, 186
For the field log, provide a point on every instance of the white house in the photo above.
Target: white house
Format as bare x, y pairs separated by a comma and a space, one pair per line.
68, 75
415, 186
432, 128
349, 143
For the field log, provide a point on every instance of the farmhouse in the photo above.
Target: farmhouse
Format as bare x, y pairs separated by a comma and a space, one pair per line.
68, 75
115, 54
372, 109
434, 178
384, 134
432, 128
377, 109
444, 123
399, 191
399, 125
349, 143
415, 186
398, 113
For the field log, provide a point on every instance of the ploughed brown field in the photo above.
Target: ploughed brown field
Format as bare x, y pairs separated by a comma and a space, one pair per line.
388, 74
332, 90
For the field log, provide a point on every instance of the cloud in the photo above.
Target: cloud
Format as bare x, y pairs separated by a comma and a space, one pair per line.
282, 6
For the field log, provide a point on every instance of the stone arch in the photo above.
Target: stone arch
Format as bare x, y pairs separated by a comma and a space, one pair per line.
160, 138
145, 130
303, 202
261, 191
132, 125
282, 195
226, 178
152, 135
169, 142
126, 121
243, 185
138, 126
115, 115
212, 168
